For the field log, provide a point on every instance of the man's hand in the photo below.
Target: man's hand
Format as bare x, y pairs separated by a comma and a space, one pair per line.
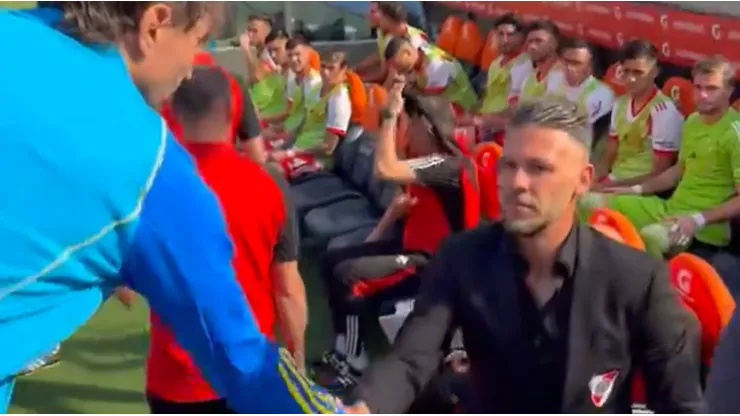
682, 229
245, 42
359, 408
395, 99
401, 204
624, 190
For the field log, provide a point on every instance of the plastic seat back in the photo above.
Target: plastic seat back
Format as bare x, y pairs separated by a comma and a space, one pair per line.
614, 79
314, 59
449, 33
362, 168
469, 43
703, 291
681, 90
357, 97
377, 96
489, 51
608, 218
486, 156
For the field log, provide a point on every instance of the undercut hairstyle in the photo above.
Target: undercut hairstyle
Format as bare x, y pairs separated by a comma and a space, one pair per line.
395, 45
509, 19
716, 64
578, 43
276, 34
393, 11
196, 98
638, 49
295, 42
266, 19
338, 57
106, 21
547, 25
558, 114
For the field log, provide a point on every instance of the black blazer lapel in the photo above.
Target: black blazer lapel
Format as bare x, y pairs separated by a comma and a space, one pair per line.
581, 330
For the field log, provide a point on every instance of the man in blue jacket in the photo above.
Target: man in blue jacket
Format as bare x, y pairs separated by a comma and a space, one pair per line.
97, 194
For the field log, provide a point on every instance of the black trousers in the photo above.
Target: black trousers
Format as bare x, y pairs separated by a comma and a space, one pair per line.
343, 269
159, 406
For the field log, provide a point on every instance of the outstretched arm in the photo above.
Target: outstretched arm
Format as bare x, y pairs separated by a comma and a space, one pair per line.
180, 261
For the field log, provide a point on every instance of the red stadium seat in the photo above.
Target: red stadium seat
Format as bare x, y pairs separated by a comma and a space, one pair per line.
681, 90
486, 156
357, 96
469, 43
703, 292
449, 33
613, 78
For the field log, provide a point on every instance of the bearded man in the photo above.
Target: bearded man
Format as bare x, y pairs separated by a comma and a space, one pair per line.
555, 317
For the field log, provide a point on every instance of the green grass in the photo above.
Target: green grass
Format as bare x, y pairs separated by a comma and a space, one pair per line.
102, 368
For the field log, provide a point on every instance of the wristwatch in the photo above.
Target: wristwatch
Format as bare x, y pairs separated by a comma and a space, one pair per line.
386, 114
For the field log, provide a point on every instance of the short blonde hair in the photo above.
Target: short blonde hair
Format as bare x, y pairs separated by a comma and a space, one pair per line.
716, 64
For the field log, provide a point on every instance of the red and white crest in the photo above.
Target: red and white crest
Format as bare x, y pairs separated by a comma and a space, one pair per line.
601, 386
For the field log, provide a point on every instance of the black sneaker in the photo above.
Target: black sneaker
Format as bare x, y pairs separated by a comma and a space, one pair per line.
345, 379
42, 363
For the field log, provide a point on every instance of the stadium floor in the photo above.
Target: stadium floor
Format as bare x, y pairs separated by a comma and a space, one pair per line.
102, 368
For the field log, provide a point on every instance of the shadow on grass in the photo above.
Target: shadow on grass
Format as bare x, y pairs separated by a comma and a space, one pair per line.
42, 396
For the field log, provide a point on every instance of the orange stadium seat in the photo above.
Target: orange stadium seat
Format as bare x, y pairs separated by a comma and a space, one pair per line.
377, 96
357, 97
314, 59
605, 217
469, 43
681, 90
703, 292
486, 156
613, 78
489, 51
449, 33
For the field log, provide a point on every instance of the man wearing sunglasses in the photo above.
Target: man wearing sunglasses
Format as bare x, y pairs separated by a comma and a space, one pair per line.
439, 197
645, 130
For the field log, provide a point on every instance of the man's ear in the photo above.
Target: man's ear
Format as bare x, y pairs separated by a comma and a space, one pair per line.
586, 179
155, 17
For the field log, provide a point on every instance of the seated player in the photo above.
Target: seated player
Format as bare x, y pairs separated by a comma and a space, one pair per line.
577, 84
431, 71
264, 80
706, 177
326, 122
392, 21
542, 42
267, 88
504, 79
645, 132
302, 90
432, 205
265, 245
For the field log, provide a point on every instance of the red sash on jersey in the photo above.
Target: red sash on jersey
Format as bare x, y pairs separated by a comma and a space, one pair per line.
295, 164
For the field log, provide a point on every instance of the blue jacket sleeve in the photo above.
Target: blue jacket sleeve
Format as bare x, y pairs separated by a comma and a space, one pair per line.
180, 261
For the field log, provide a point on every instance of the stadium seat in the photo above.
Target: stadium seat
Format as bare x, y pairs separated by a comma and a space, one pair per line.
468, 48
324, 188
358, 97
485, 158
349, 215
377, 97
613, 78
603, 218
702, 291
449, 32
489, 50
681, 90
314, 59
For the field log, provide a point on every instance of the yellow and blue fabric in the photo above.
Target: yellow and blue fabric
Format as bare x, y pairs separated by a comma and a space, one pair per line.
91, 201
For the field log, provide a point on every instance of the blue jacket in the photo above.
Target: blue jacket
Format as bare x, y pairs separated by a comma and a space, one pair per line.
96, 193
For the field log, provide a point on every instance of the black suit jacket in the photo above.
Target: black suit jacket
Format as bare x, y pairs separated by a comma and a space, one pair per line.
624, 315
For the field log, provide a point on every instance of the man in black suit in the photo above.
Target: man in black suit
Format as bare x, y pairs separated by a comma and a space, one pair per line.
555, 316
